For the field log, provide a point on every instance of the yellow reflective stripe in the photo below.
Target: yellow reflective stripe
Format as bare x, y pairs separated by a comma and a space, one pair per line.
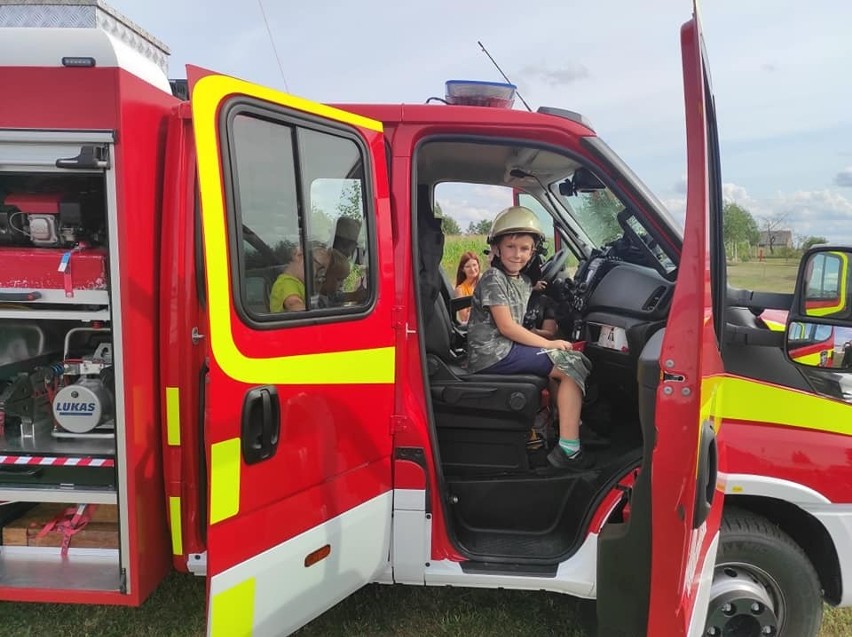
210, 90
743, 399
173, 416
775, 326
224, 479
232, 611
369, 366
710, 396
176, 525
811, 359
825, 311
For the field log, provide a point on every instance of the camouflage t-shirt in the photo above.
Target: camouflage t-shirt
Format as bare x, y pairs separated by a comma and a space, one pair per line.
486, 346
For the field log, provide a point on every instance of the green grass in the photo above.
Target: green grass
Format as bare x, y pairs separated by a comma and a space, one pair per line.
455, 246
772, 275
177, 609
416, 611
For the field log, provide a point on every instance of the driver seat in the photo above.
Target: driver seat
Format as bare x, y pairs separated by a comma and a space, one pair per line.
483, 421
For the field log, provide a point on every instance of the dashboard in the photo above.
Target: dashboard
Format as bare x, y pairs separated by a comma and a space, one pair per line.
621, 294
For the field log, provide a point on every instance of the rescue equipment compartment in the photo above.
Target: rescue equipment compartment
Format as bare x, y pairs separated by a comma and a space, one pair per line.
58, 408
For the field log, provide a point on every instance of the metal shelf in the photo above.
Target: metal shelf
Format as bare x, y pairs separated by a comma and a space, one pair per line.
43, 443
24, 567
73, 495
57, 315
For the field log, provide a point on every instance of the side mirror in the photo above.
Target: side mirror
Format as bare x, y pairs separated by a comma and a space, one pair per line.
819, 327
584, 181
815, 344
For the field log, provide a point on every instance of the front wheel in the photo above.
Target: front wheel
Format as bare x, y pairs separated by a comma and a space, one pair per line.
763, 584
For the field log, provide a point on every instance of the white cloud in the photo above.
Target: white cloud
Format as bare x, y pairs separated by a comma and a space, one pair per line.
563, 76
759, 207
736, 193
677, 207
823, 212
824, 207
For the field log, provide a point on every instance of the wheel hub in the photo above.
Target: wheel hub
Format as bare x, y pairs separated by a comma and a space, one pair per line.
740, 606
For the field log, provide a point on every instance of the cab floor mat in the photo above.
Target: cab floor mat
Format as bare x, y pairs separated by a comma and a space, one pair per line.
519, 546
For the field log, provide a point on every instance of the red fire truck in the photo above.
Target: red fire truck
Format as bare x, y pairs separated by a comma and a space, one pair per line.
164, 405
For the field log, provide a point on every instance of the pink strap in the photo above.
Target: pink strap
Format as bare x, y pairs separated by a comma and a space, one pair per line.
70, 522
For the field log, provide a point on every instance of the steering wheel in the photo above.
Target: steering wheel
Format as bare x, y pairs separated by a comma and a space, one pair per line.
554, 266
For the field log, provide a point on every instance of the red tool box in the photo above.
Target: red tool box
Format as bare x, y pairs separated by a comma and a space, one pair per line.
51, 275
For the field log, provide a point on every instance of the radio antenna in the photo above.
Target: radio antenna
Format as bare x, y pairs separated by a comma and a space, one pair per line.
521, 97
272, 42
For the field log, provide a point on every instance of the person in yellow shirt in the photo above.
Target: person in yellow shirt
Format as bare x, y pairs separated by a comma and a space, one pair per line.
330, 269
288, 291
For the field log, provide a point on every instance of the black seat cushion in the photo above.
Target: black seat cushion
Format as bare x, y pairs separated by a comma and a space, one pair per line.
482, 420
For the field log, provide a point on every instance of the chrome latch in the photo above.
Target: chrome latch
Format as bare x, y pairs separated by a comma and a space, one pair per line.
196, 336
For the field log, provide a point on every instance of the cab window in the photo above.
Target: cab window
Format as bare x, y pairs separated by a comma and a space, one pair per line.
467, 210
299, 223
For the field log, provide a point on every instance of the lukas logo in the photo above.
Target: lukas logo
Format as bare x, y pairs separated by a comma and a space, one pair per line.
69, 408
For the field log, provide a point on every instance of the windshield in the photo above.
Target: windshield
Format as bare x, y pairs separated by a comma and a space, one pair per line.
596, 213
605, 219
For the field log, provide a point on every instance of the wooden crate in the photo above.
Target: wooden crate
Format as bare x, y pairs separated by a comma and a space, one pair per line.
100, 532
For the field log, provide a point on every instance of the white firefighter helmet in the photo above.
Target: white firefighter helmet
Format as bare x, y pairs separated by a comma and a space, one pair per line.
515, 220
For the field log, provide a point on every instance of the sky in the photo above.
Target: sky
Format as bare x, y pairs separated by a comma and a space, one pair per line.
780, 73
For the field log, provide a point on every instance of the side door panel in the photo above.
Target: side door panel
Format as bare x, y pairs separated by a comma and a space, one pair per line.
687, 502
299, 400
669, 541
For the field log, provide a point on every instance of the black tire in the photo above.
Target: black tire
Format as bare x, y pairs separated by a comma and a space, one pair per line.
755, 554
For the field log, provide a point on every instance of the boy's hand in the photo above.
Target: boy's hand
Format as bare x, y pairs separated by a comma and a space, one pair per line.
538, 287
559, 344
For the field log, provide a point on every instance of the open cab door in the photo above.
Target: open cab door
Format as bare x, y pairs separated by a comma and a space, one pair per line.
655, 572
294, 213
687, 507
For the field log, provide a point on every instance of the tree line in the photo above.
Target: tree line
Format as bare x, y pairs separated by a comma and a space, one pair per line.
741, 231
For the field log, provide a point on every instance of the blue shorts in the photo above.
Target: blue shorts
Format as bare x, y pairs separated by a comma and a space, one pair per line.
522, 359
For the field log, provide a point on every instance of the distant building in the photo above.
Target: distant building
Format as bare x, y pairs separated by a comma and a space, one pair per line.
775, 239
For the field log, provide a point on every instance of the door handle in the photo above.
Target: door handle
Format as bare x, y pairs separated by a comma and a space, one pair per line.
261, 424
708, 468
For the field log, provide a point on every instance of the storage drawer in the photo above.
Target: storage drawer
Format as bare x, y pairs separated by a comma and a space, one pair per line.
53, 275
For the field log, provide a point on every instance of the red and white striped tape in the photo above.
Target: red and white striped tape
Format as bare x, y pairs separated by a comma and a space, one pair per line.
57, 462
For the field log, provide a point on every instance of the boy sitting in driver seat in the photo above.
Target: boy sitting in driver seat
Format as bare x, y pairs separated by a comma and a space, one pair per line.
500, 344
